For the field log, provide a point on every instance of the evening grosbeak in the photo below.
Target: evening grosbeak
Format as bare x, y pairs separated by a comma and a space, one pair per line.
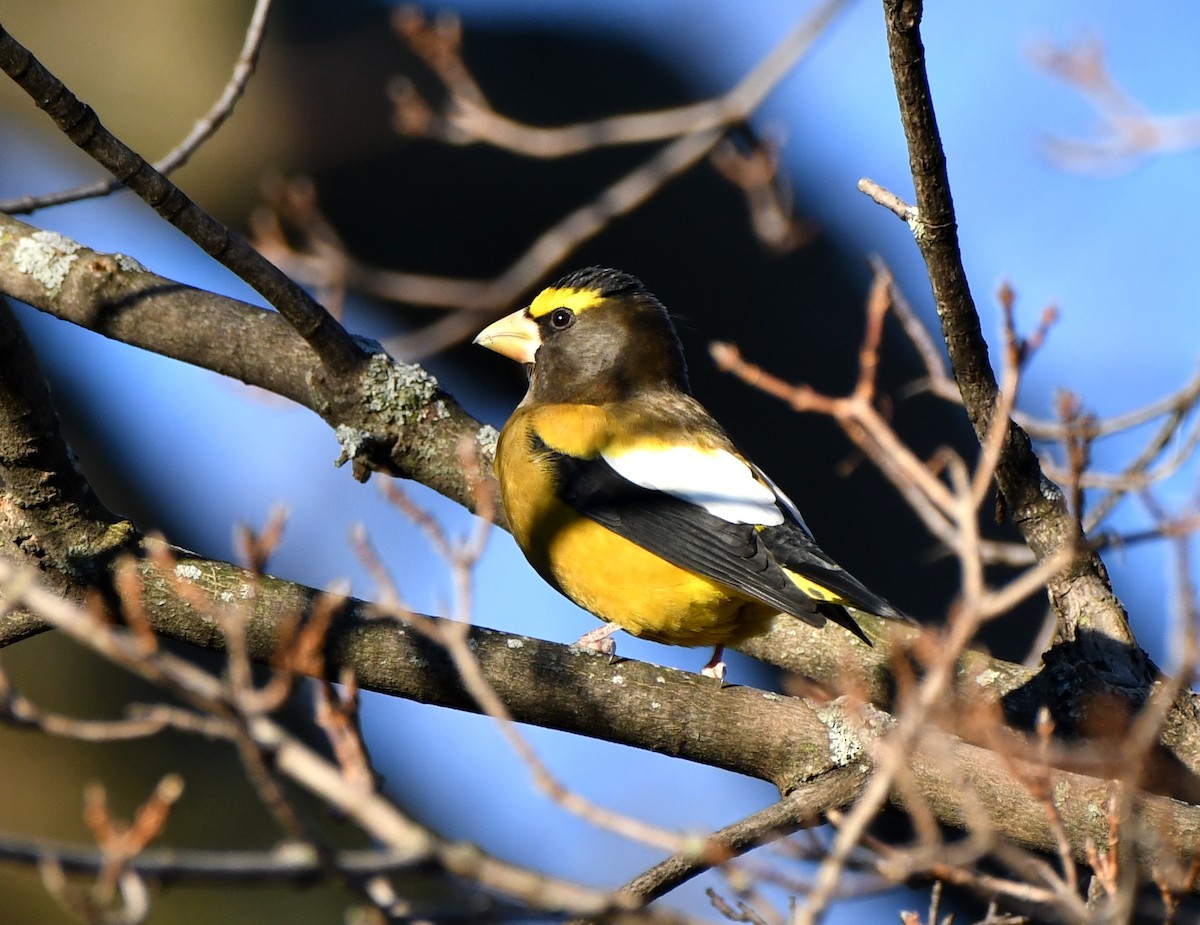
626, 495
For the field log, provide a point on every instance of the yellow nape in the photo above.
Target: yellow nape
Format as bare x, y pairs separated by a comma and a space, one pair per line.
577, 300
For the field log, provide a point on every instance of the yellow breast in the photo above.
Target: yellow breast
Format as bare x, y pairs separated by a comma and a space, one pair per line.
604, 573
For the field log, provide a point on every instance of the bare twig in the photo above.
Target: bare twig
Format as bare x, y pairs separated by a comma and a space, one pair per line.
1128, 133
471, 119
120, 842
19, 710
692, 132
204, 129
337, 350
1174, 409
800, 808
471, 298
768, 194
452, 635
892, 753
290, 758
1038, 507
288, 862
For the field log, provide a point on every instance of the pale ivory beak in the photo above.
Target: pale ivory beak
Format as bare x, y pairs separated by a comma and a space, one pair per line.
514, 336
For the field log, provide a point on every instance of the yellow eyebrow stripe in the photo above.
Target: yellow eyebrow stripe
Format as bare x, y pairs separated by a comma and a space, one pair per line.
577, 300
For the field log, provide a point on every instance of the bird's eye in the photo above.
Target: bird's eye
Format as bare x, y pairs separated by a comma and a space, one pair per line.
561, 318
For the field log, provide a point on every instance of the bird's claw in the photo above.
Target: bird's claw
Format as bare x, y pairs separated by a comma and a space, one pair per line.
599, 640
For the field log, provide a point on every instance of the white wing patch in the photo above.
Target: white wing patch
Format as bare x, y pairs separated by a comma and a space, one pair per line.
715, 480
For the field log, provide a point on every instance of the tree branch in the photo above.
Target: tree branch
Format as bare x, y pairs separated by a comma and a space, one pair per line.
75, 119
470, 119
402, 423
203, 130
1088, 611
670, 712
806, 805
48, 512
392, 417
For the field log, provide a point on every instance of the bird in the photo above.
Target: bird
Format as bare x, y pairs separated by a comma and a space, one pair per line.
628, 497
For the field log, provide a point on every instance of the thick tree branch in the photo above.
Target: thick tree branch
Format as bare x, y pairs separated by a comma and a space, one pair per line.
338, 351
788, 741
1087, 609
48, 512
392, 417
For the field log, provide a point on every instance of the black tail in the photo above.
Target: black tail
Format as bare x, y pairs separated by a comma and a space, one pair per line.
841, 616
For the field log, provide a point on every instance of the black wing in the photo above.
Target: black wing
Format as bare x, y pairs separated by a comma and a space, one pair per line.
795, 549
682, 533
793, 546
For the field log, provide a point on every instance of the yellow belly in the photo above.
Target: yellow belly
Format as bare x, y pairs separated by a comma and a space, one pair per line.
647, 596
609, 576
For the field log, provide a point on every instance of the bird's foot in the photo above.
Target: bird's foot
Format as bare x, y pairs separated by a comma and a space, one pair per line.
599, 640
716, 666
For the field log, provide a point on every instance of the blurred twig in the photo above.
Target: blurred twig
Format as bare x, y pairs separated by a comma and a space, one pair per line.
292, 759
204, 129
469, 118
689, 132
461, 556
339, 352
1127, 133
